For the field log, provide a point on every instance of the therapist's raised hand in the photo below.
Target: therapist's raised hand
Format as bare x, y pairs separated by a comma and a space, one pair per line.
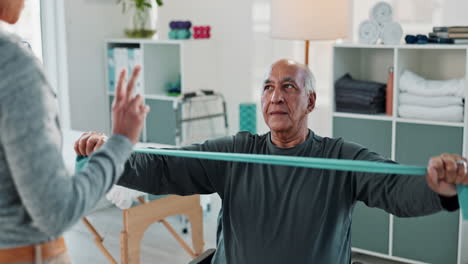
445, 171
128, 111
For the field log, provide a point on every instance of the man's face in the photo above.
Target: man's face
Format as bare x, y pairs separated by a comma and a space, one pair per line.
285, 101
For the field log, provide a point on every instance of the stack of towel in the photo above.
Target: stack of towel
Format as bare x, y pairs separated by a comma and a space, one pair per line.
431, 100
362, 97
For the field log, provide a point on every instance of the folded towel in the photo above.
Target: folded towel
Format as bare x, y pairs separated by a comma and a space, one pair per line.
356, 96
359, 98
447, 113
369, 32
376, 105
431, 101
413, 83
375, 93
359, 108
347, 83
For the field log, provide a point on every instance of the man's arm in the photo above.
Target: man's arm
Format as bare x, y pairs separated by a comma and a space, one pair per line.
159, 174
401, 195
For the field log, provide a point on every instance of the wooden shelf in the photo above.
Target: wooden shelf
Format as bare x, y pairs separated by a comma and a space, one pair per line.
408, 141
397, 119
401, 46
429, 122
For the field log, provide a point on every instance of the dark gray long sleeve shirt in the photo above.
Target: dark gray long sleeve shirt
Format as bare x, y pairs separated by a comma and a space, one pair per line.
39, 199
279, 214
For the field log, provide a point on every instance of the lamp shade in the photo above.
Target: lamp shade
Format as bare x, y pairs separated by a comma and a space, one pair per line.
310, 19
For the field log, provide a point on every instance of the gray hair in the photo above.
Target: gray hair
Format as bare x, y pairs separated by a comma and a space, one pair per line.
309, 79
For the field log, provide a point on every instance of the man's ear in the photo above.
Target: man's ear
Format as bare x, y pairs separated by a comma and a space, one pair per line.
312, 98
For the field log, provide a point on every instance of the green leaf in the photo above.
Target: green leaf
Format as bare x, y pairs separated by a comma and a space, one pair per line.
159, 2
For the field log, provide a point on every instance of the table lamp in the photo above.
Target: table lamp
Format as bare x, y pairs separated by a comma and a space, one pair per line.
310, 20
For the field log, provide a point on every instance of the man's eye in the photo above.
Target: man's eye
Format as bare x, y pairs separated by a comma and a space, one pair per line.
266, 87
288, 86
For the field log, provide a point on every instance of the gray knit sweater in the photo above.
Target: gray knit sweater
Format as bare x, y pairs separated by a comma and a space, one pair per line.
39, 199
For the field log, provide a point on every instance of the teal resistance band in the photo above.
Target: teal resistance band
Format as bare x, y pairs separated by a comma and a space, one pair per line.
316, 163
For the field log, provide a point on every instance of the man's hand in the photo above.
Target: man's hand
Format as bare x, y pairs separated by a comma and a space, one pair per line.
89, 142
444, 172
128, 111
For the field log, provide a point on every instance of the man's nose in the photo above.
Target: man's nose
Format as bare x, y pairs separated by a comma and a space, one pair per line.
277, 96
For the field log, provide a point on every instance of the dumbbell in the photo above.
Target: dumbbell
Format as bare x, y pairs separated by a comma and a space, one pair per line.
180, 34
180, 25
201, 32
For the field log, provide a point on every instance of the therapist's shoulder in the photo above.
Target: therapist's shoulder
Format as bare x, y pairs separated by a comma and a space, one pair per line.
12, 49
18, 65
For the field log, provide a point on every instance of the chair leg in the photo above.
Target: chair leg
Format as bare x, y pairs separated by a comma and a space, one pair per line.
130, 247
179, 239
98, 239
173, 232
196, 223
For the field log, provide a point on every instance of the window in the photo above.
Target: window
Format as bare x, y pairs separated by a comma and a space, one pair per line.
29, 26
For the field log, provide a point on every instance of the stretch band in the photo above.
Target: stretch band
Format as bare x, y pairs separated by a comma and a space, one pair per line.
315, 163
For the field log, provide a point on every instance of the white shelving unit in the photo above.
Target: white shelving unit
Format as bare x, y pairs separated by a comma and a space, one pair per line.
441, 238
164, 62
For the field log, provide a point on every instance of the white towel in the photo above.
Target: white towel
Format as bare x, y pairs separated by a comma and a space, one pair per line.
123, 197
429, 101
381, 12
392, 33
369, 32
446, 114
413, 83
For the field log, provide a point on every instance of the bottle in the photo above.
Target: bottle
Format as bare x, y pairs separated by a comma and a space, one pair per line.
389, 93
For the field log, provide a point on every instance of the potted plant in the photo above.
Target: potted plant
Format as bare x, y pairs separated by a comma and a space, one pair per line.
140, 18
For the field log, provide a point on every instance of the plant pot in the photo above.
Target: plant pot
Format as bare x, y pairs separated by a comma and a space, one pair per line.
142, 23
139, 33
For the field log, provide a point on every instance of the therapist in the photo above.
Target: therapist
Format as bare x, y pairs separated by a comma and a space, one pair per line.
39, 199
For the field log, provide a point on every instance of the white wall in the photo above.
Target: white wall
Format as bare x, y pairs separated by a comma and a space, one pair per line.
88, 23
454, 12
231, 26
240, 32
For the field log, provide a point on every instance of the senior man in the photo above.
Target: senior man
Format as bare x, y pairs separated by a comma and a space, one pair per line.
279, 214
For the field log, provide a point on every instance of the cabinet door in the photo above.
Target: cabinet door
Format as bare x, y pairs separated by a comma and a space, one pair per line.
434, 238
370, 226
161, 122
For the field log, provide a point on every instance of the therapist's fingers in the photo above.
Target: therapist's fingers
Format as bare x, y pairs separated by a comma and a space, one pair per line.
135, 103
120, 91
132, 82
